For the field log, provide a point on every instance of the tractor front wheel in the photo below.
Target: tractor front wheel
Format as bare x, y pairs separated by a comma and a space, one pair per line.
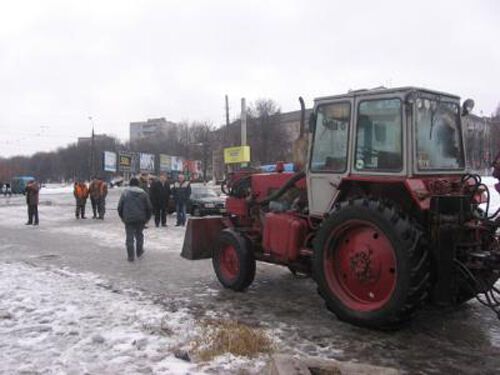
233, 261
370, 265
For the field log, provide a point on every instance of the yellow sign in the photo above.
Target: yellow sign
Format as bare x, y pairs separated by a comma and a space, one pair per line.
240, 154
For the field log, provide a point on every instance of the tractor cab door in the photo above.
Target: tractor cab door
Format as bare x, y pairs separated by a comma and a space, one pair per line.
328, 161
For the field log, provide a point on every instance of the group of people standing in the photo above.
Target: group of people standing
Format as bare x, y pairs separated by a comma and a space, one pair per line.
141, 200
136, 206
97, 191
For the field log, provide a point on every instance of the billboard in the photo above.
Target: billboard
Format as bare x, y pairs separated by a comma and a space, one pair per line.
147, 162
240, 154
124, 162
109, 161
165, 163
177, 163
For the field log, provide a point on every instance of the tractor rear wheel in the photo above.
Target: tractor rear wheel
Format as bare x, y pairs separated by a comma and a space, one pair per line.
233, 261
370, 265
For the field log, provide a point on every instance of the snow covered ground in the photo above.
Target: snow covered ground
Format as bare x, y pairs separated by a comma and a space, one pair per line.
54, 321
62, 322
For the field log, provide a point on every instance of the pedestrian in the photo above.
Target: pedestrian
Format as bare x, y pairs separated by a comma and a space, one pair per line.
94, 196
102, 188
143, 182
81, 193
134, 208
31, 191
159, 194
8, 190
181, 193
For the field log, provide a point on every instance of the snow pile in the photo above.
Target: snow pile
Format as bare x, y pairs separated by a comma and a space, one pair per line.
57, 322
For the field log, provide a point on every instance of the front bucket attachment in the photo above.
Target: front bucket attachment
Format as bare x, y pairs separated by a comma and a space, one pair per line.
201, 236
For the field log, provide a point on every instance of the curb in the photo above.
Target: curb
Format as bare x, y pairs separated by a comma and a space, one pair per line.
289, 365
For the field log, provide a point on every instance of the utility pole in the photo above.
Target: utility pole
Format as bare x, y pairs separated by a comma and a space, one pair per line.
227, 111
92, 151
243, 122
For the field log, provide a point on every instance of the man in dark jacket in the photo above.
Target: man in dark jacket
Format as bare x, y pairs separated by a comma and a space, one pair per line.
135, 211
181, 192
159, 192
31, 192
94, 194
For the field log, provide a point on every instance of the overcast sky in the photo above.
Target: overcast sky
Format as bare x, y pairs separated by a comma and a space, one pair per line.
122, 61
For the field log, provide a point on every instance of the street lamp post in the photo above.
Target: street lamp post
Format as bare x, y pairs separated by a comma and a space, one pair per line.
92, 150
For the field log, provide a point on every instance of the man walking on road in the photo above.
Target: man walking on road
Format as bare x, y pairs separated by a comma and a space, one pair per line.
159, 193
181, 192
134, 208
81, 192
31, 192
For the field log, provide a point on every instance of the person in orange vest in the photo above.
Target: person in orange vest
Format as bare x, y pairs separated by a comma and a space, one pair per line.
102, 189
81, 193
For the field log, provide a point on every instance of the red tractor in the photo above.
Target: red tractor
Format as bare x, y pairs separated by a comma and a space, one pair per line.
383, 215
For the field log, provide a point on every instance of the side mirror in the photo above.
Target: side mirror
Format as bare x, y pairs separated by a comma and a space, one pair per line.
312, 122
467, 107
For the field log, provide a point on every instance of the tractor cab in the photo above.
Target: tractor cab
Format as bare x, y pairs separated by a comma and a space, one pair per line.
382, 134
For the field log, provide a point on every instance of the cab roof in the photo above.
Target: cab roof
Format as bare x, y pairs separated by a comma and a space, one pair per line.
383, 90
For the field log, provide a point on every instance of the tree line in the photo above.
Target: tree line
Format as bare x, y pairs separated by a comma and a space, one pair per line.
192, 140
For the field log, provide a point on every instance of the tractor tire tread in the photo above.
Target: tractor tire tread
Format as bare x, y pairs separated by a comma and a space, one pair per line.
412, 240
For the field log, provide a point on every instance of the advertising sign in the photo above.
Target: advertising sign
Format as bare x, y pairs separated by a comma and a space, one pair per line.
109, 161
177, 163
165, 163
147, 162
240, 154
124, 162
193, 168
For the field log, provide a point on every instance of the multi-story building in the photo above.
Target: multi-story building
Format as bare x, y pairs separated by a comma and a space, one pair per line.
149, 128
479, 143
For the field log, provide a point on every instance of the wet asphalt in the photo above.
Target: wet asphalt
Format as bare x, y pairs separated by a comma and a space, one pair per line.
460, 341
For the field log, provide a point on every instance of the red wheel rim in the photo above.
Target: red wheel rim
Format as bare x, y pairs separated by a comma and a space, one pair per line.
360, 265
229, 262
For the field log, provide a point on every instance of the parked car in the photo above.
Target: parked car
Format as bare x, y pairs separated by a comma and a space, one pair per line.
204, 201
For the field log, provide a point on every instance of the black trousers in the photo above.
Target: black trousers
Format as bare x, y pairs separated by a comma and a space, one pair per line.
101, 207
160, 215
80, 210
134, 234
93, 202
33, 214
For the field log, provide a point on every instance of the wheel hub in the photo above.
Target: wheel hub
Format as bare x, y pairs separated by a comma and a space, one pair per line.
229, 262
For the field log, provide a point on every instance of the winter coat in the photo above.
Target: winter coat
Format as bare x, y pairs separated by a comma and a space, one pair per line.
134, 206
181, 192
159, 193
81, 192
98, 189
31, 193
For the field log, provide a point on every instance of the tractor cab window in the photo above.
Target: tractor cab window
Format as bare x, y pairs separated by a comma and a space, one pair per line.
439, 136
329, 152
379, 136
